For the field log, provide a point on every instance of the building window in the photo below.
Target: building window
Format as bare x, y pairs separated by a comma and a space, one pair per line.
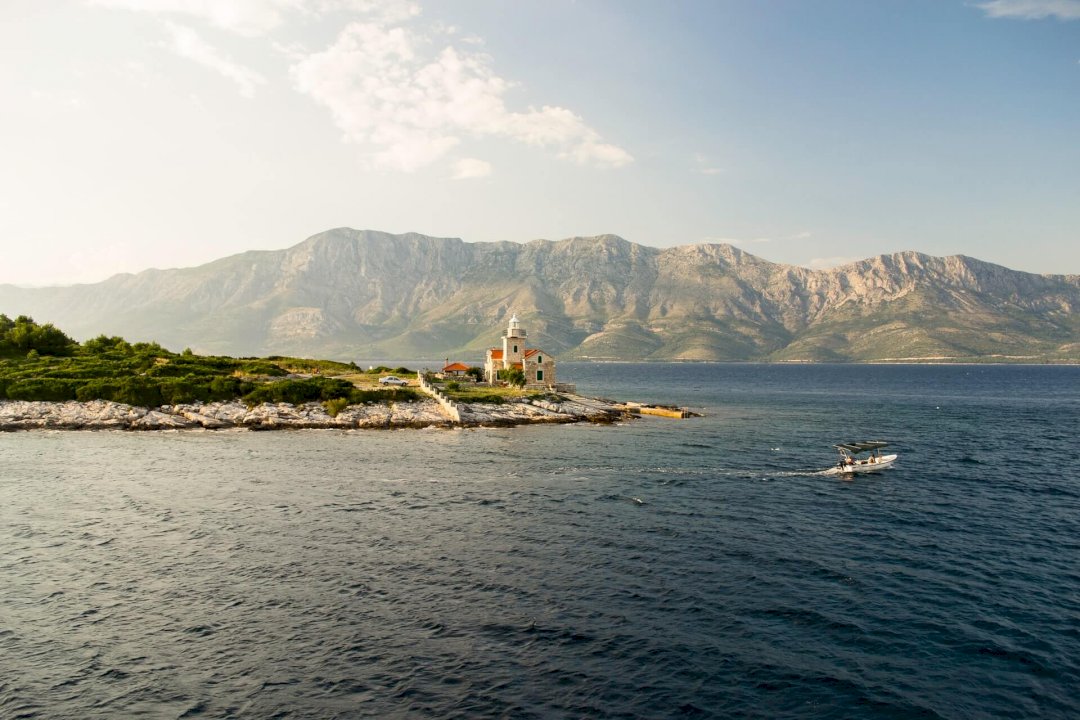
515, 348
539, 359
539, 376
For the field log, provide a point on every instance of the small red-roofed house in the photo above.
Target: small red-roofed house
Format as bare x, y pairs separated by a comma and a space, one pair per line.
455, 370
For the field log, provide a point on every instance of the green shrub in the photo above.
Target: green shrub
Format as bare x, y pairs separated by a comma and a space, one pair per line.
310, 365
257, 367
299, 391
513, 376
453, 386
398, 394
184, 390
97, 390
228, 388
336, 405
138, 391
22, 336
50, 389
102, 344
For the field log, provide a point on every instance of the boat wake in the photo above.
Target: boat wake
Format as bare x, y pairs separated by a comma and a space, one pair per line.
800, 473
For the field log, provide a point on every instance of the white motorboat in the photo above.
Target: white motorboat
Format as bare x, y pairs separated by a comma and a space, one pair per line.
851, 463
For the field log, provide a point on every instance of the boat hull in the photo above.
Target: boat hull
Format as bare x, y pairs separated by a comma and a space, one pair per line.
866, 466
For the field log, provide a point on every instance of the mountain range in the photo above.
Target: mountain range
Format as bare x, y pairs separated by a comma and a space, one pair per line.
355, 294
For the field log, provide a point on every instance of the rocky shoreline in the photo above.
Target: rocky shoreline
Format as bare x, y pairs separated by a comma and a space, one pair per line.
104, 415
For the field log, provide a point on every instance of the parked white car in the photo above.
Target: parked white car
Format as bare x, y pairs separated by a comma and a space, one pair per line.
392, 380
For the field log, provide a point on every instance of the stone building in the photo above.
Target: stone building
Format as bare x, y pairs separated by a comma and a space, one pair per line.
538, 366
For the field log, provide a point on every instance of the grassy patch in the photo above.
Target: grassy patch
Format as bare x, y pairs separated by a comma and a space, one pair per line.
483, 394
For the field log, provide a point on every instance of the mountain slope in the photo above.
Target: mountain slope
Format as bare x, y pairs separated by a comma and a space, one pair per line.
351, 294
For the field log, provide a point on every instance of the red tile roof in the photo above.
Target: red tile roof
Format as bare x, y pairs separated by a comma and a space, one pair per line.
533, 351
456, 367
496, 354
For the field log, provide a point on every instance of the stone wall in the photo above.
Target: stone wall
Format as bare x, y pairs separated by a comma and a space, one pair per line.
448, 406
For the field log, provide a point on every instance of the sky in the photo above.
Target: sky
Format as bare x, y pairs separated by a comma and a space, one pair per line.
169, 133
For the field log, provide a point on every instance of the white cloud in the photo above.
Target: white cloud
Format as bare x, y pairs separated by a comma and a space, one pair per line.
389, 88
387, 12
409, 107
469, 168
246, 17
257, 17
185, 42
1032, 9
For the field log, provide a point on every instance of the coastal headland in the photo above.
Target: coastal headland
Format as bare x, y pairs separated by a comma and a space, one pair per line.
49, 381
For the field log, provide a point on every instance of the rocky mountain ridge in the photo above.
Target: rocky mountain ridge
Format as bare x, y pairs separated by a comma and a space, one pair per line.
353, 294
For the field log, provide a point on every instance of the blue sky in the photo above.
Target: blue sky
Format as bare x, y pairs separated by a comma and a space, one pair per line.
164, 133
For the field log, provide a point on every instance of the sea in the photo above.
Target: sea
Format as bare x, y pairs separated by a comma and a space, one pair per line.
657, 568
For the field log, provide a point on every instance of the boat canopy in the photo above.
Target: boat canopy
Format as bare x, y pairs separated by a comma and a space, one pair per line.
858, 447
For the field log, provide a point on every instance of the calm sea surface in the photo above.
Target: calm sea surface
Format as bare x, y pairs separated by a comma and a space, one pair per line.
654, 569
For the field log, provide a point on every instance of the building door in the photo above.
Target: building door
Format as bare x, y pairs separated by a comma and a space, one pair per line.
539, 376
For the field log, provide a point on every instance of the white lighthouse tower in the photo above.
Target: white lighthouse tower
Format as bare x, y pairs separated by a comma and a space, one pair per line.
513, 343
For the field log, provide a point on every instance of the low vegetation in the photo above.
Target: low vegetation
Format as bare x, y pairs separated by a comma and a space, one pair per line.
470, 393
40, 362
513, 376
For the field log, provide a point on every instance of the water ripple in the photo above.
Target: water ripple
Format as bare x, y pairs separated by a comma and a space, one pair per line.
701, 568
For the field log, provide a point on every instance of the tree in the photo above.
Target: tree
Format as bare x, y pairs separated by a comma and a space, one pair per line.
23, 335
50, 340
513, 376
103, 344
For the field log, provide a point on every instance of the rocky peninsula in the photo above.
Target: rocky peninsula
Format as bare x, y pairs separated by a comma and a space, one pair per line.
107, 415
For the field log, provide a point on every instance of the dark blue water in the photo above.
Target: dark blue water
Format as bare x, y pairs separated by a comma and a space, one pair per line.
660, 568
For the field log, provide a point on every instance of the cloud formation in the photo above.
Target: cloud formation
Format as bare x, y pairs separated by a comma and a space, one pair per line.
185, 42
469, 168
407, 98
245, 17
387, 94
258, 17
1032, 9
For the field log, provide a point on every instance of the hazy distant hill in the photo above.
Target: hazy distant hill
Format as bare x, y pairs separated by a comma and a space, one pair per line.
361, 294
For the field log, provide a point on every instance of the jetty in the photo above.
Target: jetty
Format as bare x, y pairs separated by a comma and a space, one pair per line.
668, 411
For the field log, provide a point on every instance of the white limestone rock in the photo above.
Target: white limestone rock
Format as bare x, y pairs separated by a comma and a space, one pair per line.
104, 415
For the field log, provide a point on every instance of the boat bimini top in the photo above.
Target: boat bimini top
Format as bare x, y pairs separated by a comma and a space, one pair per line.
858, 447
